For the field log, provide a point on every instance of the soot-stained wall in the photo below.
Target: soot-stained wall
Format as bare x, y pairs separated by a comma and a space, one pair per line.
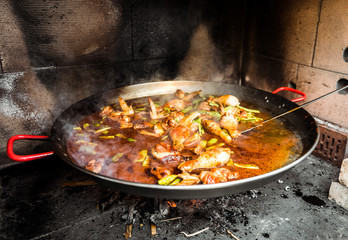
55, 53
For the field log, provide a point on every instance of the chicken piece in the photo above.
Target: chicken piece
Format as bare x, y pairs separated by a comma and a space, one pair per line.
188, 121
214, 128
176, 104
204, 106
172, 120
230, 122
142, 125
160, 172
179, 93
193, 140
106, 111
123, 120
179, 135
227, 100
127, 110
123, 117
217, 175
154, 114
158, 131
182, 132
186, 97
188, 179
200, 147
166, 153
95, 166
210, 159
124, 125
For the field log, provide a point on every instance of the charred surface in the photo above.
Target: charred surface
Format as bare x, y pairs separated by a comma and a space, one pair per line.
49, 200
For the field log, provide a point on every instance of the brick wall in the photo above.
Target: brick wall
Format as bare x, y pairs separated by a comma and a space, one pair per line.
302, 44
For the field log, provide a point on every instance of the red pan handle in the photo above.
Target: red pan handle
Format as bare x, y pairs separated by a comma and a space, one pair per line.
304, 96
24, 158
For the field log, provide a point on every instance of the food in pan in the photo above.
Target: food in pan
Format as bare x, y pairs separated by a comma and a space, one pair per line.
180, 139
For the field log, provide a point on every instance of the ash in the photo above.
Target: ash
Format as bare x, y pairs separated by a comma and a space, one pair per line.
47, 199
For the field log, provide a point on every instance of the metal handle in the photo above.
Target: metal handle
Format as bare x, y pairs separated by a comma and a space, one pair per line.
304, 96
24, 158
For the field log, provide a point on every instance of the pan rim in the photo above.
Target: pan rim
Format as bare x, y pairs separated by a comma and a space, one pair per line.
193, 188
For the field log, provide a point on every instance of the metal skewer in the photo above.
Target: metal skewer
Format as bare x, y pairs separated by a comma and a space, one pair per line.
294, 109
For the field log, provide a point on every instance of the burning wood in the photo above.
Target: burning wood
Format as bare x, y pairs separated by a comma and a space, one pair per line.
153, 229
232, 235
81, 183
128, 232
171, 203
106, 202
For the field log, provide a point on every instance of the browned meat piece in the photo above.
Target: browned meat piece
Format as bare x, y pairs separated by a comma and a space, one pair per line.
193, 140
210, 159
186, 97
164, 152
179, 135
160, 172
188, 179
204, 106
95, 166
218, 175
214, 128
158, 131
182, 132
127, 110
179, 93
123, 117
227, 100
172, 120
142, 125
124, 125
154, 113
106, 111
123, 120
176, 104
230, 122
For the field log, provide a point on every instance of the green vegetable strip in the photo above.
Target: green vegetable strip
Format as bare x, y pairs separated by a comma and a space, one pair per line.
200, 127
212, 141
120, 135
176, 181
202, 96
211, 113
167, 180
216, 146
117, 157
213, 104
185, 110
143, 155
107, 137
249, 166
196, 102
203, 143
102, 130
248, 110
166, 136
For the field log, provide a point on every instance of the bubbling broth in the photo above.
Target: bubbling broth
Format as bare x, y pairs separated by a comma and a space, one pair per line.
181, 139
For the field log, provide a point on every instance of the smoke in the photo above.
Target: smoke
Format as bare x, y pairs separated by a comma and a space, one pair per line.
203, 60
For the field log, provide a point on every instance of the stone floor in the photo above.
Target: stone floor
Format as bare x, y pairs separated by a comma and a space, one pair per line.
47, 199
